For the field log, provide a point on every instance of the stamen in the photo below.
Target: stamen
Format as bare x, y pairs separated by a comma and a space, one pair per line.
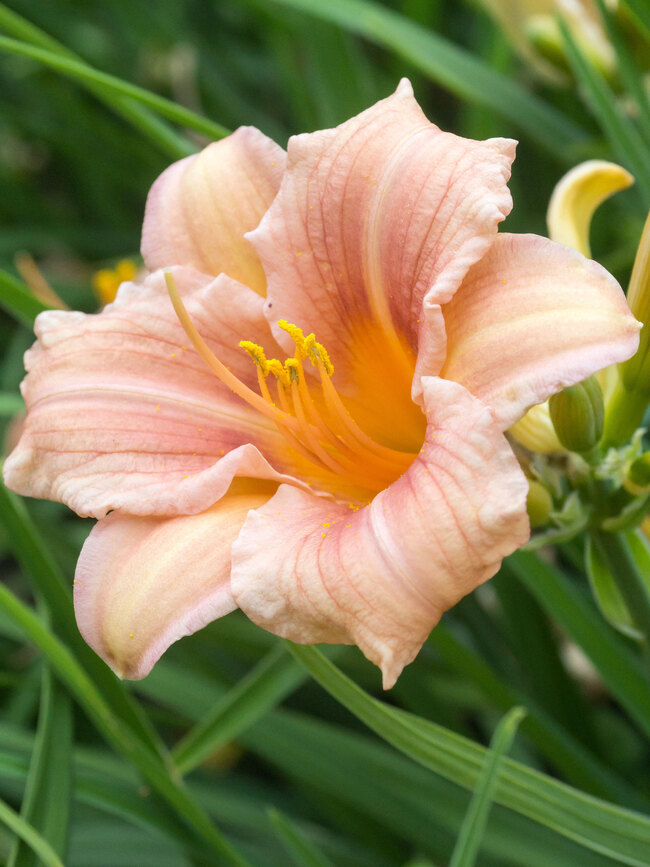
317, 352
256, 353
220, 369
312, 441
296, 334
334, 441
339, 411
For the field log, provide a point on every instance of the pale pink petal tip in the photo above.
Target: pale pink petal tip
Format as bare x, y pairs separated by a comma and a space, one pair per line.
143, 583
200, 208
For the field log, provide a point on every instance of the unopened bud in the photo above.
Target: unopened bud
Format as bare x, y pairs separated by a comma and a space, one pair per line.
577, 414
538, 504
637, 478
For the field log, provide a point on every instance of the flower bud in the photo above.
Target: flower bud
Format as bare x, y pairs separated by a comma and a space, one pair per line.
538, 504
637, 478
577, 414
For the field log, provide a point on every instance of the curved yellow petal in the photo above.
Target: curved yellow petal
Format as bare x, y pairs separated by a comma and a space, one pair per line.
576, 197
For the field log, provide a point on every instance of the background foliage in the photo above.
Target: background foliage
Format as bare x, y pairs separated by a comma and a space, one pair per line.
238, 748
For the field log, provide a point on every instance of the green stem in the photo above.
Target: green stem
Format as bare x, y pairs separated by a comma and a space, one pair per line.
624, 414
620, 559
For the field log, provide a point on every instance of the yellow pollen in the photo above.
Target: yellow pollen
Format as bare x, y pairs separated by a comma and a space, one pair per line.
278, 370
317, 352
257, 354
296, 334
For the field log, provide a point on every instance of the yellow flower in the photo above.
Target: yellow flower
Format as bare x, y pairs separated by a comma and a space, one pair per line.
107, 281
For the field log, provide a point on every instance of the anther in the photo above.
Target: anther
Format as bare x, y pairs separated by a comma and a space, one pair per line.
257, 354
296, 334
278, 370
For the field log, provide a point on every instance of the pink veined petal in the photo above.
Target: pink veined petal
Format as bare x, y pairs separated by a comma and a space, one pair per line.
200, 207
372, 217
143, 583
381, 577
531, 318
123, 414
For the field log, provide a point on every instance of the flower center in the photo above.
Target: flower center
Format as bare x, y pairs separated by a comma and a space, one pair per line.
311, 417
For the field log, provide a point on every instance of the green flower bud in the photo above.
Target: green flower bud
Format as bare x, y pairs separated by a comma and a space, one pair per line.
637, 478
538, 504
577, 414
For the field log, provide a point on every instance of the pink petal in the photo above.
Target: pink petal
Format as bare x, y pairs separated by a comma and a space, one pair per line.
143, 583
123, 414
372, 217
531, 318
199, 208
315, 571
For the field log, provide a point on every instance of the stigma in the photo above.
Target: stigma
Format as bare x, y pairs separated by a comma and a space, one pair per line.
306, 408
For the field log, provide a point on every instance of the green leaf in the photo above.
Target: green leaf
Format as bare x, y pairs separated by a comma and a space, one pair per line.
628, 568
597, 825
641, 12
18, 301
621, 132
169, 141
31, 837
579, 618
627, 67
274, 677
89, 76
114, 730
576, 764
452, 67
606, 592
302, 851
473, 827
48, 791
11, 404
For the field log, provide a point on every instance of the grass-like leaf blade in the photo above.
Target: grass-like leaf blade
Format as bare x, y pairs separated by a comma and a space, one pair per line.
48, 791
303, 853
169, 141
18, 301
618, 833
114, 730
473, 827
274, 677
87, 75
454, 68
32, 838
621, 132
576, 614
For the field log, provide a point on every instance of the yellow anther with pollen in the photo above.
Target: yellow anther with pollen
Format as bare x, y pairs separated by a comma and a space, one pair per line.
316, 352
296, 334
293, 368
257, 354
278, 370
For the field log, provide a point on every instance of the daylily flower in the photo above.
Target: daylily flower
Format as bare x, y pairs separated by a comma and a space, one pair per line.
357, 490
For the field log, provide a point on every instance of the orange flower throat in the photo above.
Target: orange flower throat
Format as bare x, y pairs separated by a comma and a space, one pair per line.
313, 421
